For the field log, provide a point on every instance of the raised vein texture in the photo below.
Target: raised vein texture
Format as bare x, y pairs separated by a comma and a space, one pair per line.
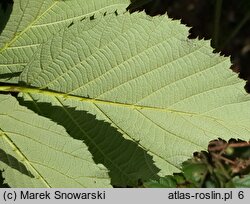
151, 96
125, 160
33, 22
36, 152
169, 94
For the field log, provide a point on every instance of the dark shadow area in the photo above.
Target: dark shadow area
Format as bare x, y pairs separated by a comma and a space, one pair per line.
128, 164
5, 11
2, 183
13, 163
9, 75
6, 77
226, 22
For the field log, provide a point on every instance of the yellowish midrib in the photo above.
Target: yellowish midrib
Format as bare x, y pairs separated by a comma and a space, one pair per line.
31, 90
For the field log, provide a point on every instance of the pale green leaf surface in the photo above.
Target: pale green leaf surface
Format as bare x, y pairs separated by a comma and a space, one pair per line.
36, 152
143, 76
163, 95
33, 22
125, 160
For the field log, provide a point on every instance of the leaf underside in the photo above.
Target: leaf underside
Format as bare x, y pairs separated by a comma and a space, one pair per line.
33, 22
136, 91
35, 152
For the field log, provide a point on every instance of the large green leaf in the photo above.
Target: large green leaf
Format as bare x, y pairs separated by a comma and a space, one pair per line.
36, 152
35, 21
125, 160
139, 93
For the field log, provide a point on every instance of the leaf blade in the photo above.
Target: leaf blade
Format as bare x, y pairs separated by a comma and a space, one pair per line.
34, 22
40, 154
167, 94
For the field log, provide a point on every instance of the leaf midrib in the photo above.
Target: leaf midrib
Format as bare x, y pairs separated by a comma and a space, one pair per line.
33, 90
